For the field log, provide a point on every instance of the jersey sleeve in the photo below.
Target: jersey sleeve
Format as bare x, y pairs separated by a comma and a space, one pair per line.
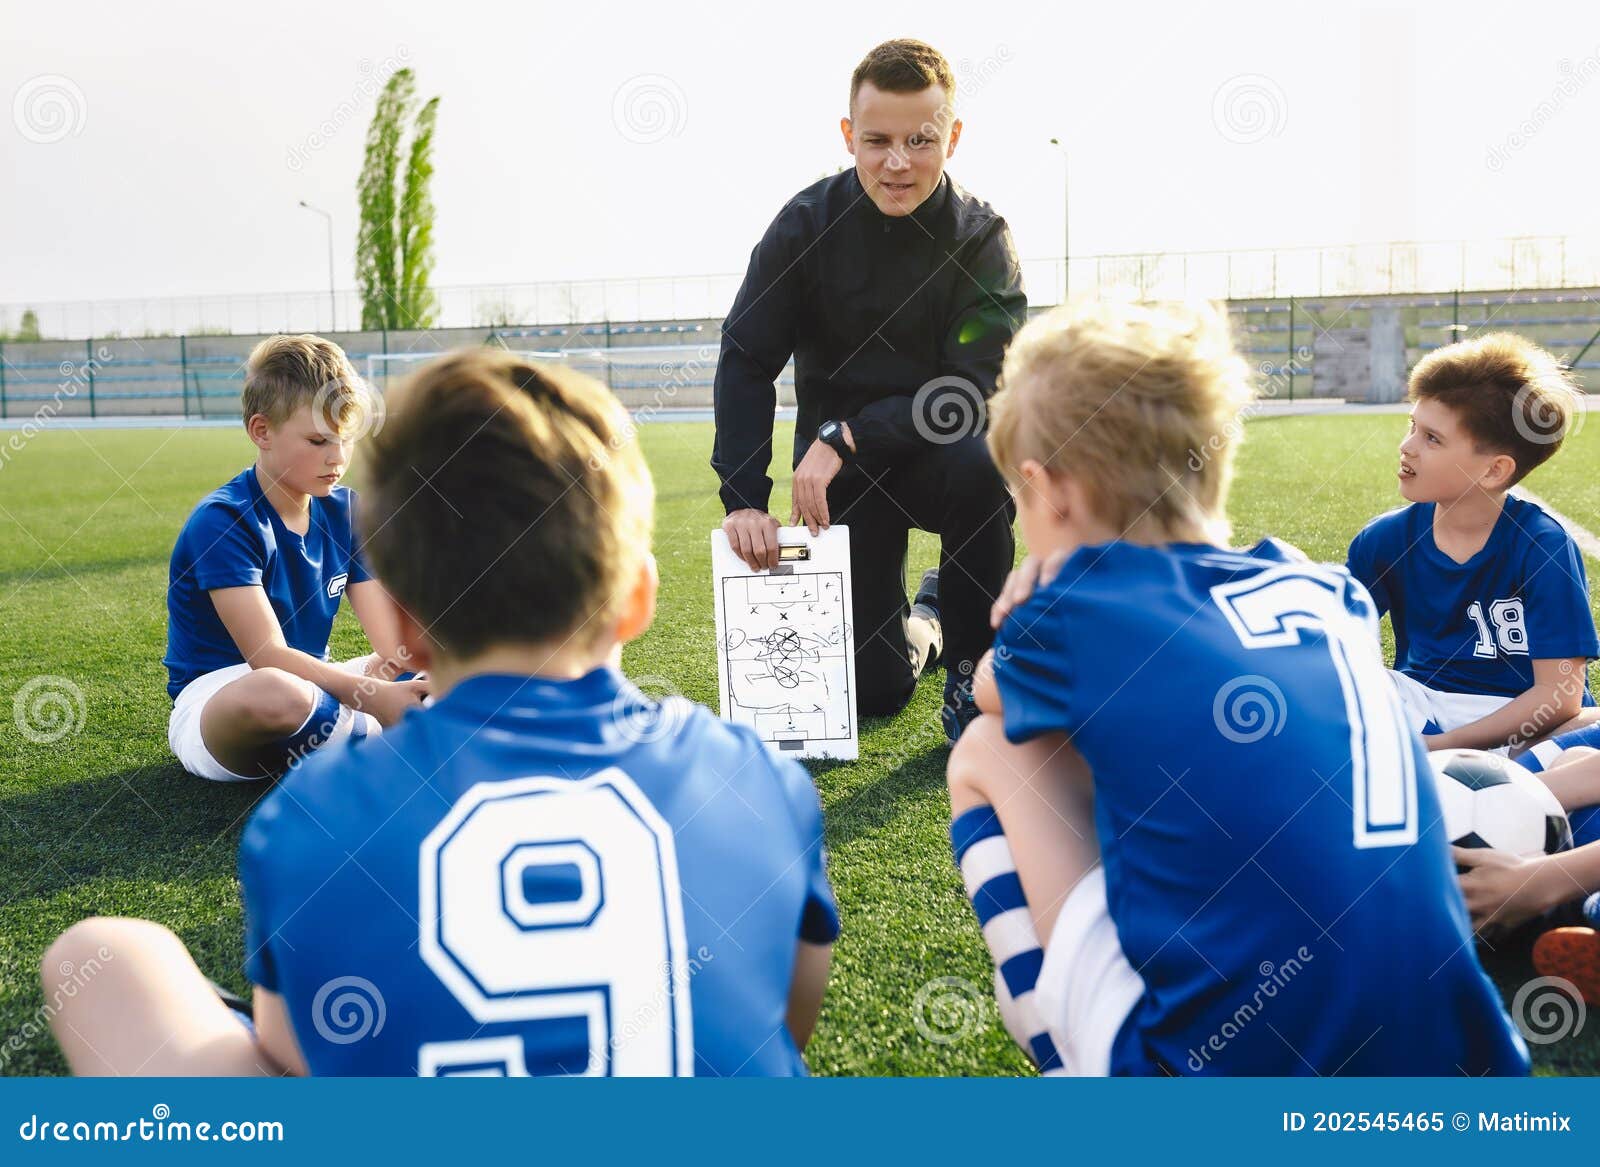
758, 338
225, 547
260, 957
1556, 599
819, 918
360, 572
1032, 669
1363, 562
1360, 604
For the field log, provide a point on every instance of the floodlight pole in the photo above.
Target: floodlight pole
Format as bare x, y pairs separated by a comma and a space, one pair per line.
1066, 244
333, 299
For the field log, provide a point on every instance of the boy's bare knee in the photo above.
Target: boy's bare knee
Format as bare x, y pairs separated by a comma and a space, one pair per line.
65, 952
93, 944
1570, 756
280, 702
972, 759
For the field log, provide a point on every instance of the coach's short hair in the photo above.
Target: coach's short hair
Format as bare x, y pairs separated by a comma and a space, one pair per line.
1511, 396
285, 372
1140, 403
904, 66
506, 501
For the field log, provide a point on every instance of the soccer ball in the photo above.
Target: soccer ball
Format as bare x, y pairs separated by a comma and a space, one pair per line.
1490, 801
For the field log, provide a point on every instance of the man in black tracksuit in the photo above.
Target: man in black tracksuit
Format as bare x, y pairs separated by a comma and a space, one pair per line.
896, 293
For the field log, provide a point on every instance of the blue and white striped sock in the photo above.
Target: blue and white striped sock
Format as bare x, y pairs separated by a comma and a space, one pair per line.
1541, 755
990, 875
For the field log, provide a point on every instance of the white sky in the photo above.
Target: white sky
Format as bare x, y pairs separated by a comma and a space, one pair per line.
1380, 124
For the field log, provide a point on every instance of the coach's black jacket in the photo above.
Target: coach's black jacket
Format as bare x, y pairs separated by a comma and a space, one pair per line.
872, 308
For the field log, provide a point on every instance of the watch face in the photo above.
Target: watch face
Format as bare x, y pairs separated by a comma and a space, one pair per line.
830, 429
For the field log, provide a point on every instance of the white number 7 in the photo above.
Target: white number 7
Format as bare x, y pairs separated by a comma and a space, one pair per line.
1282, 606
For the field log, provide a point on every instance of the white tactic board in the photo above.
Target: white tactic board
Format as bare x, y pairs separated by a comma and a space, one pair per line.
786, 662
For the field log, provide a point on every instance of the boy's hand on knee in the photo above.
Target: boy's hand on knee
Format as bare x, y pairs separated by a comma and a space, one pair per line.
1028, 575
388, 700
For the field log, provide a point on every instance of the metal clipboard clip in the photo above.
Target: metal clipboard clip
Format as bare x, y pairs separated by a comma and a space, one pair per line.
788, 555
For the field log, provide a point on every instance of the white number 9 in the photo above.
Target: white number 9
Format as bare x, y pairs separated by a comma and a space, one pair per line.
545, 898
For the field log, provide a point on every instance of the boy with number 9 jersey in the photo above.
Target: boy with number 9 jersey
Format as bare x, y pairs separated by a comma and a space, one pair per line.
545, 872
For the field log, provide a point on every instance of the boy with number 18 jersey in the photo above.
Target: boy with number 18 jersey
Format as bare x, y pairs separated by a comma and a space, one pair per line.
1486, 590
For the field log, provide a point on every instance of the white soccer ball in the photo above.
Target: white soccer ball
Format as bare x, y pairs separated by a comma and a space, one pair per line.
1491, 801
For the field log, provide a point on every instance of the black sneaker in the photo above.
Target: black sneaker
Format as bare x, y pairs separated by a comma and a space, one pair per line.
958, 711
926, 607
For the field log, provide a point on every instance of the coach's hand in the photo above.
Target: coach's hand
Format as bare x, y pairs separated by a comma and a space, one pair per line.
753, 535
1031, 573
388, 700
811, 478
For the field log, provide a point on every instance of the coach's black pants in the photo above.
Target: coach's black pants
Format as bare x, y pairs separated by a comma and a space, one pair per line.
955, 492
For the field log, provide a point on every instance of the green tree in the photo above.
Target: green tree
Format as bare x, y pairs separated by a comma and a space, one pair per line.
394, 250
29, 328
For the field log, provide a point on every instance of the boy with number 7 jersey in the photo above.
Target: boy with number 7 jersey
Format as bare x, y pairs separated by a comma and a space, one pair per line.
1196, 829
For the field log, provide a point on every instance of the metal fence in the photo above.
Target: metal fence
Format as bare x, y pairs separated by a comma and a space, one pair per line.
1282, 337
1553, 262
671, 364
201, 377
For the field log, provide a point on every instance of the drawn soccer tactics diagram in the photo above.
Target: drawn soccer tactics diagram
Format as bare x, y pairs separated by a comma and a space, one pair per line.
785, 647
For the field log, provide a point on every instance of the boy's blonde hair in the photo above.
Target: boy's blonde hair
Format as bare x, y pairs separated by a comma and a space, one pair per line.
1138, 402
1510, 395
285, 372
506, 502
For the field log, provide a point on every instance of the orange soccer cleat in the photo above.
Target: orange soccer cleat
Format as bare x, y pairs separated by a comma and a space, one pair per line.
1574, 955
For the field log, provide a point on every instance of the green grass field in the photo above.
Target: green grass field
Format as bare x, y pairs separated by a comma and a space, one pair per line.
104, 821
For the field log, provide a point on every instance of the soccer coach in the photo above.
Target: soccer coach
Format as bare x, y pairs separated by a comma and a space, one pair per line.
896, 293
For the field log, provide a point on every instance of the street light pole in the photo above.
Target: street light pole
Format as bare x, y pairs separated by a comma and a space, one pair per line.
1066, 238
333, 299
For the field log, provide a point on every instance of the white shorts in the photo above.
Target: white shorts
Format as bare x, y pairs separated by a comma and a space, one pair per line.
1086, 987
1448, 711
183, 727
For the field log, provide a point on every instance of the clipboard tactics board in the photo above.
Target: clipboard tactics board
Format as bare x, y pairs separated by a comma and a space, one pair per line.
786, 661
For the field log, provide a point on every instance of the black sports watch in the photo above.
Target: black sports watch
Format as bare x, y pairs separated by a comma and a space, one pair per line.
831, 433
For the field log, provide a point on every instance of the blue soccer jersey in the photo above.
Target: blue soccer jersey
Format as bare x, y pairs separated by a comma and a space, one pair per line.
1478, 626
539, 877
1275, 863
236, 538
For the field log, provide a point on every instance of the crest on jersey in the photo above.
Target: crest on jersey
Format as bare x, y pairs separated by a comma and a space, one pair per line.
336, 585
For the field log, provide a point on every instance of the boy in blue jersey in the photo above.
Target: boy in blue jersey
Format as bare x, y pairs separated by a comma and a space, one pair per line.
1190, 819
1486, 591
544, 872
256, 577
